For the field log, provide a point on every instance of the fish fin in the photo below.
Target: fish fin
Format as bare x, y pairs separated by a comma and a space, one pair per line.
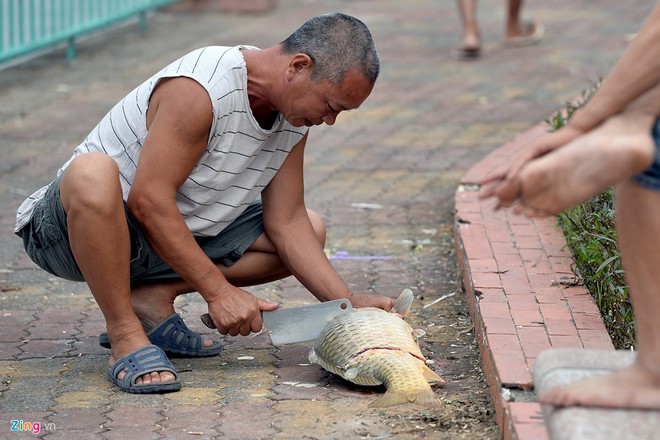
432, 377
425, 397
418, 333
403, 303
313, 357
351, 373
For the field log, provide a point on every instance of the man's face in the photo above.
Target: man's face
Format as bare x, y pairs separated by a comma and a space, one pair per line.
311, 102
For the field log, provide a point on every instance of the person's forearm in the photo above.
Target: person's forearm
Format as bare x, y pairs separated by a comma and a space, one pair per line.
300, 251
170, 237
648, 103
636, 72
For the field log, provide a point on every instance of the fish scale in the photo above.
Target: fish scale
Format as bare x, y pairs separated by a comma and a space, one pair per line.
370, 346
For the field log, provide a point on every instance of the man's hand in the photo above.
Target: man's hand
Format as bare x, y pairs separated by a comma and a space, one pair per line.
504, 183
372, 300
236, 311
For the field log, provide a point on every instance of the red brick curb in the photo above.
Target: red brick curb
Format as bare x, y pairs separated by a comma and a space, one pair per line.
517, 276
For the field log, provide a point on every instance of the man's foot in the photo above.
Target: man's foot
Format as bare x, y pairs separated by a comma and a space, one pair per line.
153, 304
128, 372
129, 342
470, 47
466, 53
524, 34
620, 148
630, 388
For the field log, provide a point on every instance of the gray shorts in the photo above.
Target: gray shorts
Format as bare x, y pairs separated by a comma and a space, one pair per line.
651, 177
46, 241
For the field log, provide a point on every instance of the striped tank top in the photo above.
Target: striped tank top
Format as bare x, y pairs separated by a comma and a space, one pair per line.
241, 157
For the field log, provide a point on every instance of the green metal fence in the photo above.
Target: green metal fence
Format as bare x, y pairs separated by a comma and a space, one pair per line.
30, 25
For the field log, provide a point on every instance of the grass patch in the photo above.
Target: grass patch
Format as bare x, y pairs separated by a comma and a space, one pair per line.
591, 236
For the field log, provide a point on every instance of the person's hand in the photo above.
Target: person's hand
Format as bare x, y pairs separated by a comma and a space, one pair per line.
236, 311
372, 300
504, 183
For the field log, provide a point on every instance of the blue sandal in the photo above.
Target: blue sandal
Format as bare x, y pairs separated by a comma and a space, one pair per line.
174, 337
142, 361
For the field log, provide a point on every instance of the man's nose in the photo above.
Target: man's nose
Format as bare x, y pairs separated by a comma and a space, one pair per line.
330, 118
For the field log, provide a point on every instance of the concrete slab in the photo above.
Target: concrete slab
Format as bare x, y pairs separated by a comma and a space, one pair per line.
560, 367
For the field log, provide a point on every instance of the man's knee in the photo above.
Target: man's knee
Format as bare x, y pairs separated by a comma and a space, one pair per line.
91, 180
318, 225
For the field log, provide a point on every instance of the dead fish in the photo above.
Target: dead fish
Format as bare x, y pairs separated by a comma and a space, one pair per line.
370, 346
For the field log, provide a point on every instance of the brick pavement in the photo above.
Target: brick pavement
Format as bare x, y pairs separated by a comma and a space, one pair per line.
428, 121
523, 300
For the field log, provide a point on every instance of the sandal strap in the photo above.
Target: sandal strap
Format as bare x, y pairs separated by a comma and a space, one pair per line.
140, 362
174, 333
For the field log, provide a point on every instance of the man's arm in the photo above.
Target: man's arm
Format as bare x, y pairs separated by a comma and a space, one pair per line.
179, 121
635, 73
633, 81
288, 227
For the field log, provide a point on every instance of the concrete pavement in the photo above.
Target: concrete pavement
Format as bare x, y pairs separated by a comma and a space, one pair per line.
383, 177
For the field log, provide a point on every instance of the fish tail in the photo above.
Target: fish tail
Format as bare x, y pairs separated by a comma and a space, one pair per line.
425, 397
432, 377
403, 303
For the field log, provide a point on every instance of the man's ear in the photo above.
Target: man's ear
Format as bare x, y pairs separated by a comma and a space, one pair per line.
300, 64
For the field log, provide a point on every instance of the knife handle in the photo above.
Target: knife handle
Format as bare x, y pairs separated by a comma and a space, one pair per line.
206, 319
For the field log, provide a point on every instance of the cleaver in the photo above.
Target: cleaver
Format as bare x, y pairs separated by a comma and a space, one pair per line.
298, 324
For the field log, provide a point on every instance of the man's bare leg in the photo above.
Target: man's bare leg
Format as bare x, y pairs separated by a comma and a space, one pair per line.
638, 228
515, 27
92, 198
154, 302
471, 39
618, 149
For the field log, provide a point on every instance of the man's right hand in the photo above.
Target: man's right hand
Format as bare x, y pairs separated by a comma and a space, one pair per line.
238, 312
504, 183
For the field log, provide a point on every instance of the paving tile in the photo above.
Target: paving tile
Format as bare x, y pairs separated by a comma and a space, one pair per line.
536, 262
596, 339
90, 421
499, 325
526, 317
523, 302
526, 412
14, 324
503, 249
9, 350
512, 267
560, 327
487, 296
533, 333
531, 349
45, 348
245, 420
549, 295
562, 341
483, 265
495, 309
515, 285
190, 421
484, 280
556, 311
587, 321
524, 229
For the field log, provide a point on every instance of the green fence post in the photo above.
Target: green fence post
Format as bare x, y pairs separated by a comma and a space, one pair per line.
70, 49
143, 21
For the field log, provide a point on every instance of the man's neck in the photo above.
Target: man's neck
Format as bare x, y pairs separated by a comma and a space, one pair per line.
260, 65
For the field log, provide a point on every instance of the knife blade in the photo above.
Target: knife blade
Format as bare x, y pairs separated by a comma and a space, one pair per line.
297, 324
